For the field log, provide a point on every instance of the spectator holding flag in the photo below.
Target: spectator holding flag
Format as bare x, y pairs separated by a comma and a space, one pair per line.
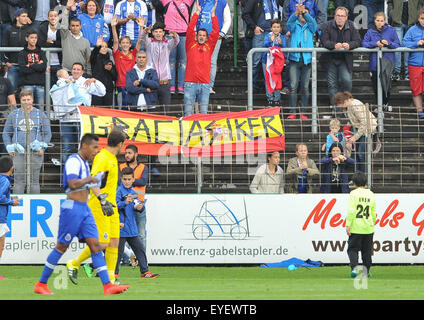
223, 14
302, 27
199, 50
273, 82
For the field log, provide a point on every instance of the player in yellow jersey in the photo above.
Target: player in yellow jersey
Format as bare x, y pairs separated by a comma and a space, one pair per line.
360, 223
102, 203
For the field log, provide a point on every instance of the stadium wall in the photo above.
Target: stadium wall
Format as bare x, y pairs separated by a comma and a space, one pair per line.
234, 229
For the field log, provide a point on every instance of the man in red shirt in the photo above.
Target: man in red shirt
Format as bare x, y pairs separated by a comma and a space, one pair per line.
199, 50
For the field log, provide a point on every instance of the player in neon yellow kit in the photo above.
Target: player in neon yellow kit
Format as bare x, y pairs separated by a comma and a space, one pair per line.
360, 223
102, 203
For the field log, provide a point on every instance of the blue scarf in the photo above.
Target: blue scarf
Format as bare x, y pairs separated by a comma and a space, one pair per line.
267, 11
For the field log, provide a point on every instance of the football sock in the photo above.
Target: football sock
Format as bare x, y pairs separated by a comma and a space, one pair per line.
51, 262
99, 264
84, 255
111, 258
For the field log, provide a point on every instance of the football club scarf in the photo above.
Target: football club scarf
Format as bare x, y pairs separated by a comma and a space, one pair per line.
268, 12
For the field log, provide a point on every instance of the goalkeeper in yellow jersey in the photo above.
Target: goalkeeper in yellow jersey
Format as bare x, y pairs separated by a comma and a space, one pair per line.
360, 223
102, 203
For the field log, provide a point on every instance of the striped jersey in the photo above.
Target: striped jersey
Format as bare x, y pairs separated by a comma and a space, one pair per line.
123, 10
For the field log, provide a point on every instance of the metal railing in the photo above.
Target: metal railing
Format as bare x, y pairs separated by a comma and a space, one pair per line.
398, 165
314, 76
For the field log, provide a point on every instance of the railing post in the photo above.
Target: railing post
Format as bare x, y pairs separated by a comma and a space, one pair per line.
379, 93
314, 93
235, 34
199, 175
250, 79
47, 84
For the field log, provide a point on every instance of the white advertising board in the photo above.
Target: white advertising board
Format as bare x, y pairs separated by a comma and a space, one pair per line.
235, 229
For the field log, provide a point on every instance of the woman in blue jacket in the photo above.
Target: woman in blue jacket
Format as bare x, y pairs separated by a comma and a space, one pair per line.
334, 171
381, 35
93, 23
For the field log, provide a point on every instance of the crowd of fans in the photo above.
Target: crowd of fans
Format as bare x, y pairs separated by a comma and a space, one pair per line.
136, 54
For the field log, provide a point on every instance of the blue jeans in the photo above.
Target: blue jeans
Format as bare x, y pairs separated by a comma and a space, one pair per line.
323, 8
299, 78
373, 6
257, 42
338, 73
39, 96
13, 76
196, 91
214, 62
275, 95
178, 63
123, 92
401, 31
69, 136
360, 154
140, 219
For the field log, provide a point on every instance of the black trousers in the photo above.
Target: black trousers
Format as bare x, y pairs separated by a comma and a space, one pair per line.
164, 97
363, 243
106, 100
139, 251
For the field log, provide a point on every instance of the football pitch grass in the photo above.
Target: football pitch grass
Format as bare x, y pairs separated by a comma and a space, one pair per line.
224, 283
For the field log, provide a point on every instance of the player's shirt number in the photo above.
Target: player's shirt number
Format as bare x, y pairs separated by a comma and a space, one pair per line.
362, 211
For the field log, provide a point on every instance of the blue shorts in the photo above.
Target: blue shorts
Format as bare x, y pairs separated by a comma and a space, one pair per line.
76, 220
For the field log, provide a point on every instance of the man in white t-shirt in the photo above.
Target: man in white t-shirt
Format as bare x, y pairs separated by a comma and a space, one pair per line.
127, 12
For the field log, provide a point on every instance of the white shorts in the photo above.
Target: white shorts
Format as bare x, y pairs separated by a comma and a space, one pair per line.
3, 229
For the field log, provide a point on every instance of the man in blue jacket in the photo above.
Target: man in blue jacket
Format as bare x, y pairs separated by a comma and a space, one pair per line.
127, 201
142, 82
381, 35
6, 170
414, 39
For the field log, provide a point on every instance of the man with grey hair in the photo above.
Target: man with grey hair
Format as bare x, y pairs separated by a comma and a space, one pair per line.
340, 36
15, 138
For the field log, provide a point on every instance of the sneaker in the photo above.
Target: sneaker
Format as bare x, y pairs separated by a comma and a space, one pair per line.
133, 262
172, 89
42, 288
1, 278
180, 90
149, 275
111, 288
292, 116
155, 172
72, 272
285, 90
211, 91
421, 115
353, 273
395, 76
304, 117
88, 270
406, 77
116, 276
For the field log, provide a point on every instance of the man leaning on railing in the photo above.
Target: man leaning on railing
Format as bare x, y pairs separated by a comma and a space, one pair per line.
27, 130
